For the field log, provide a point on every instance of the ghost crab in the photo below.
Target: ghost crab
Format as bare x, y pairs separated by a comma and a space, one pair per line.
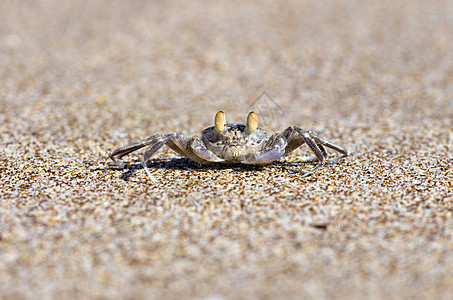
235, 143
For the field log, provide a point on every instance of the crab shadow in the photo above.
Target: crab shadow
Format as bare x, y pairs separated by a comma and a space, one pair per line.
187, 164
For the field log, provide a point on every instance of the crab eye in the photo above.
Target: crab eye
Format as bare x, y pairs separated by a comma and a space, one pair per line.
252, 122
220, 121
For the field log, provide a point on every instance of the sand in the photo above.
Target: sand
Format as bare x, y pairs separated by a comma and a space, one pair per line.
80, 79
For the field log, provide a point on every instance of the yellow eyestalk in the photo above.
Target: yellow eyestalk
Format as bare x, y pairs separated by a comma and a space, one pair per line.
252, 122
220, 121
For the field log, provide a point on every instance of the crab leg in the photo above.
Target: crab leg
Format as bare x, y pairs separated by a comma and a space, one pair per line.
123, 151
158, 143
193, 148
320, 154
297, 136
175, 141
322, 141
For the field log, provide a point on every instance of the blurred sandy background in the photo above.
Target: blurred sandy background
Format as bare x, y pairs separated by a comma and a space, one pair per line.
80, 79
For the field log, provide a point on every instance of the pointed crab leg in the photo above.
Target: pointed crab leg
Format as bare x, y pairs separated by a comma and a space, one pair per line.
123, 151
297, 136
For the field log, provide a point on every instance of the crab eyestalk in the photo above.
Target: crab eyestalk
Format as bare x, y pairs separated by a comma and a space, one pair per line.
220, 122
252, 122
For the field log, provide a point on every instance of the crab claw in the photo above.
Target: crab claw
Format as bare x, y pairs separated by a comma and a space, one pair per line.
273, 150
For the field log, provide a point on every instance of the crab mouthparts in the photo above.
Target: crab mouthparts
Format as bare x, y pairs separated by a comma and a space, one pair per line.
235, 152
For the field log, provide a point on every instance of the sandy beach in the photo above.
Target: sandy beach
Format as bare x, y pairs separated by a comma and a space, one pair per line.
78, 80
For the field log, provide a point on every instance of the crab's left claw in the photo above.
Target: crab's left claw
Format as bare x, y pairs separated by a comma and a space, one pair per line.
272, 151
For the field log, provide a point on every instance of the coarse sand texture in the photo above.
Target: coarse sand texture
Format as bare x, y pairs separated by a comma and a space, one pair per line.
81, 79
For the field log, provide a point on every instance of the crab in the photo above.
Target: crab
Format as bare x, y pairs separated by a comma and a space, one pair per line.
235, 143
